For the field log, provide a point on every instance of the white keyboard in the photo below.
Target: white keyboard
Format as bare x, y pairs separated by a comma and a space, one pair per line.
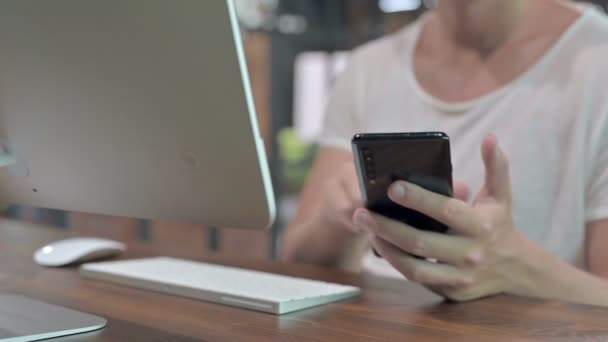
248, 289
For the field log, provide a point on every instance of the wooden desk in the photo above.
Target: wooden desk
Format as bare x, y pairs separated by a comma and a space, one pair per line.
388, 310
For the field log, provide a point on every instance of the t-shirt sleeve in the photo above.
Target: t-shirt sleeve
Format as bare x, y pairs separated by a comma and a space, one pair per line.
597, 191
341, 120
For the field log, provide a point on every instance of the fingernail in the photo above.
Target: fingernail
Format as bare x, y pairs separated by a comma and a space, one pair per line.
398, 190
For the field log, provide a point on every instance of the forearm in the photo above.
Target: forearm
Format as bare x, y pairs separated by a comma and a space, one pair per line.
317, 242
546, 276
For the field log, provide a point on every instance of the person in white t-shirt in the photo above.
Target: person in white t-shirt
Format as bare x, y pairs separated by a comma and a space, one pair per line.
527, 81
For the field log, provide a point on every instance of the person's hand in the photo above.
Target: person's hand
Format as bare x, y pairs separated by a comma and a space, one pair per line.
480, 254
341, 197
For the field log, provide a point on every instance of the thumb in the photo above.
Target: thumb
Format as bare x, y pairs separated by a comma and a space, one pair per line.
497, 183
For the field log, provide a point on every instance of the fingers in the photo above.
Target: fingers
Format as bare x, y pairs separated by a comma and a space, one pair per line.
341, 197
497, 183
349, 182
351, 187
340, 207
419, 270
454, 250
461, 191
454, 213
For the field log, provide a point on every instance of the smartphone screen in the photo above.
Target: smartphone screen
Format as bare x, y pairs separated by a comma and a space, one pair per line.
419, 158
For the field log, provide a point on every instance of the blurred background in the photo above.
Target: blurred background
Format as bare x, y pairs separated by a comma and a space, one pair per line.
295, 49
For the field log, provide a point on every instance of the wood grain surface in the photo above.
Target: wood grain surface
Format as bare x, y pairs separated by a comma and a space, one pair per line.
388, 310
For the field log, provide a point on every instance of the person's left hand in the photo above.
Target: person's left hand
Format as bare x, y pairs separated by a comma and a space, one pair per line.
482, 251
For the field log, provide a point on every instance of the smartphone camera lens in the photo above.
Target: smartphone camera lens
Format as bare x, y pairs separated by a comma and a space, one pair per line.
368, 161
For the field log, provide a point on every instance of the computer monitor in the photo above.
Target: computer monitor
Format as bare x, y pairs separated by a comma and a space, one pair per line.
137, 108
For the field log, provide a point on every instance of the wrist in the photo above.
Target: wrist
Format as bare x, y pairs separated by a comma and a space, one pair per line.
525, 271
537, 273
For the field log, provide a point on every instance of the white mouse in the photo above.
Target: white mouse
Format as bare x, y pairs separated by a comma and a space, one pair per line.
77, 250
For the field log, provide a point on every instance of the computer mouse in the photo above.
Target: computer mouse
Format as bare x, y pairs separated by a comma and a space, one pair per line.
77, 250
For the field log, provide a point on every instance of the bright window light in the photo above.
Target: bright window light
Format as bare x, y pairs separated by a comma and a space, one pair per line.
391, 6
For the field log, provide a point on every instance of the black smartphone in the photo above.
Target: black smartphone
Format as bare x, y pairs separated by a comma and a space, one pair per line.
420, 158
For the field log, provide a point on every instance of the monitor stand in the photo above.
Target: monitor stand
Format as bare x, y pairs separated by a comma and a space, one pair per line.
23, 320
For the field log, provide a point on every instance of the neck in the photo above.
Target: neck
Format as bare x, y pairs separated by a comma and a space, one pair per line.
480, 25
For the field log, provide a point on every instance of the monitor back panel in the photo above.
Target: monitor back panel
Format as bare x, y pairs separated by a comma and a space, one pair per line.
138, 108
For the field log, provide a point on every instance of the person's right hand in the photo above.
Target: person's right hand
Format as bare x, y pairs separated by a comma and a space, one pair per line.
341, 197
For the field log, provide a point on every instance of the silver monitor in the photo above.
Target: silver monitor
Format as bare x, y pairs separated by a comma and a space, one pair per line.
137, 108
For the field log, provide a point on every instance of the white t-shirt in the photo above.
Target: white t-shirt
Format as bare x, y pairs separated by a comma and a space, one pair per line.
552, 122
